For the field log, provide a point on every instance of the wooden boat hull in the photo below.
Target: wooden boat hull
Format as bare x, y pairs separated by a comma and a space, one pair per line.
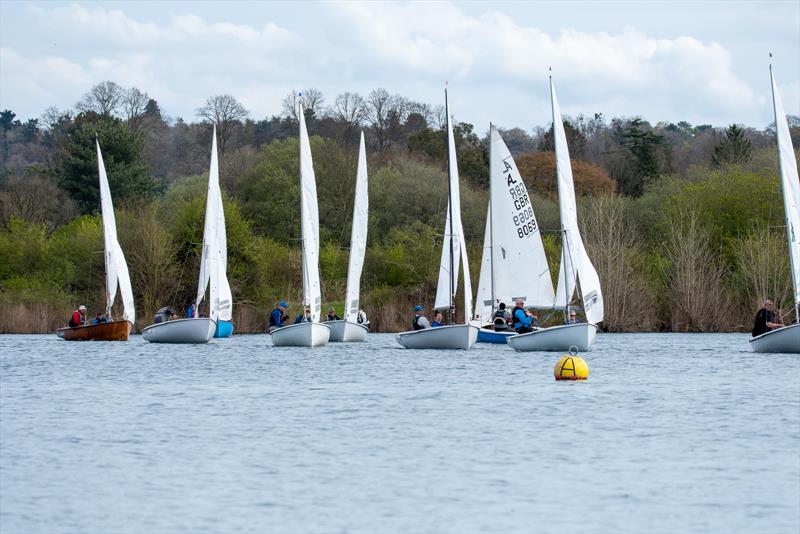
581, 336
487, 335
111, 331
782, 340
301, 335
455, 336
224, 329
345, 331
192, 330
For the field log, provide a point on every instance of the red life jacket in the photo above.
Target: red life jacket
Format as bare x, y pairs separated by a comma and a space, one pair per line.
76, 318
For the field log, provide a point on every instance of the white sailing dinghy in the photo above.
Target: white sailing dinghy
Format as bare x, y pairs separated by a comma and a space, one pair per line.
349, 329
575, 264
314, 333
514, 265
116, 275
786, 339
212, 274
454, 248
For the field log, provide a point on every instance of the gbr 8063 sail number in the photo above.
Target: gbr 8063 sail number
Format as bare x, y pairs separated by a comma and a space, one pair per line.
524, 222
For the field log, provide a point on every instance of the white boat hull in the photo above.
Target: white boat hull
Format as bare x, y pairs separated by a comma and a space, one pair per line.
346, 331
301, 335
456, 336
562, 337
192, 330
786, 339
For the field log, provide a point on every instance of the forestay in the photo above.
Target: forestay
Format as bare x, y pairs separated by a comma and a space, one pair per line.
575, 264
358, 237
459, 248
514, 264
116, 267
790, 185
309, 224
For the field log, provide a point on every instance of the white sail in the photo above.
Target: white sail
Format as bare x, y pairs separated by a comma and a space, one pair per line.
358, 237
211, 269
116, 267
790, 185
309, 217
225, 303
484, 300
459, 248
575, 263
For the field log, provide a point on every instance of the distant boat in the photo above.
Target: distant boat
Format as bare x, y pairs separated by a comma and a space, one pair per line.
454, 249
786, 339
213, 261
349, 329
116, 274
575, 264
514, 265
314, 333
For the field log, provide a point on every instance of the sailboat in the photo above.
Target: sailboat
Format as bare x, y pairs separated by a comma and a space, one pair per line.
786, 339
116, 274
575, 268
454, 249
349, 329
514, 265
314, 333
212, 275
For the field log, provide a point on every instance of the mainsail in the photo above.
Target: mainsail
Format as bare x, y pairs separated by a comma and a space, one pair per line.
453, 243
791, 187
358, 238
116, 267
575, 263
309, 217
514, 264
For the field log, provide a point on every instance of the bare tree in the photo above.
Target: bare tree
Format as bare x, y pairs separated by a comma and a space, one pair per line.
226, 113
105, 98
36, 199
762, 269
312, 100
350, 108
134, 105
377, 115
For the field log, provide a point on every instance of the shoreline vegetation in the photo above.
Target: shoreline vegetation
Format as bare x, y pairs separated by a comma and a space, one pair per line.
684, 223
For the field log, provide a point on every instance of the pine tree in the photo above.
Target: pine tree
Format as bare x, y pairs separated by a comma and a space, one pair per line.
735, 148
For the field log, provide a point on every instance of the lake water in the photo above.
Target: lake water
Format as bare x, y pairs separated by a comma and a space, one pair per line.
671, 433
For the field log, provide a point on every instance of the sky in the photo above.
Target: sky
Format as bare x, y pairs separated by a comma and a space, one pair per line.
702, 62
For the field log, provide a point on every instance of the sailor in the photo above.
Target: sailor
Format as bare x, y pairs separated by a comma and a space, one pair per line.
99, 319
573, 318
304, 317
766, 319
190, 311
278, 316
361, 317
332, 315
78, 317
501, 318
438, 319
522, 319
420, 322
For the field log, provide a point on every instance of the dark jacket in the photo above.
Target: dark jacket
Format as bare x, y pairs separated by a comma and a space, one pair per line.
763, 316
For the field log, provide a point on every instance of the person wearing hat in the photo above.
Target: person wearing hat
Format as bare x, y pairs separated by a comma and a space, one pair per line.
332, 315
420, 322
573, 318
523, 320
278, 316
304, 317
78, 317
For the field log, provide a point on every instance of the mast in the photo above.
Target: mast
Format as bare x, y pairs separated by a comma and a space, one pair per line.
491, 222
450, 211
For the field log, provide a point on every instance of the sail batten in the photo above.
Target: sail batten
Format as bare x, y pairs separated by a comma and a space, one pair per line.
358, 237
116, 267
790, 186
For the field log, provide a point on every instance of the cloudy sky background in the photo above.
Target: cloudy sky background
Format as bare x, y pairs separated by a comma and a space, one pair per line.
704, 62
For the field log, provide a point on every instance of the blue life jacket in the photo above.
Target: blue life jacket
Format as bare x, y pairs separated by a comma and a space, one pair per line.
276, 318
520, 318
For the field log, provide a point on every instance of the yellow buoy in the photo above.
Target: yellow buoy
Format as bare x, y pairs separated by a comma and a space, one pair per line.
571, 367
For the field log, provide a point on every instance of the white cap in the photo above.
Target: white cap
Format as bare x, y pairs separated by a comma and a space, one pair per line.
81, 308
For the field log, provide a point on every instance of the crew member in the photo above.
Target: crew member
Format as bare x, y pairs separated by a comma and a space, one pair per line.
420, 322
766, 319
278, 316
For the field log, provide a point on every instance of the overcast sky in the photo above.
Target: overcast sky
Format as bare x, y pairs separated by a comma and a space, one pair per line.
704, 62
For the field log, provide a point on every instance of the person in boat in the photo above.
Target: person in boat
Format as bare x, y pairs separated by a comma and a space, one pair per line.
163, 315
190, 311
438, 319
332, 315
278, 316
420, 322
573, 318
99, 319
523, 320
361, 317
78, 317
766, 319
534, 318
501, 318
304, 317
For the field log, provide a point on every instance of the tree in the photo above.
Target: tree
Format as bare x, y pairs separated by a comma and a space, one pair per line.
128, 176
311, 99
538, 170
735, 148
576, 141
134, 106
378, 108
349, 108
640, 163
226, 113
105, 98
